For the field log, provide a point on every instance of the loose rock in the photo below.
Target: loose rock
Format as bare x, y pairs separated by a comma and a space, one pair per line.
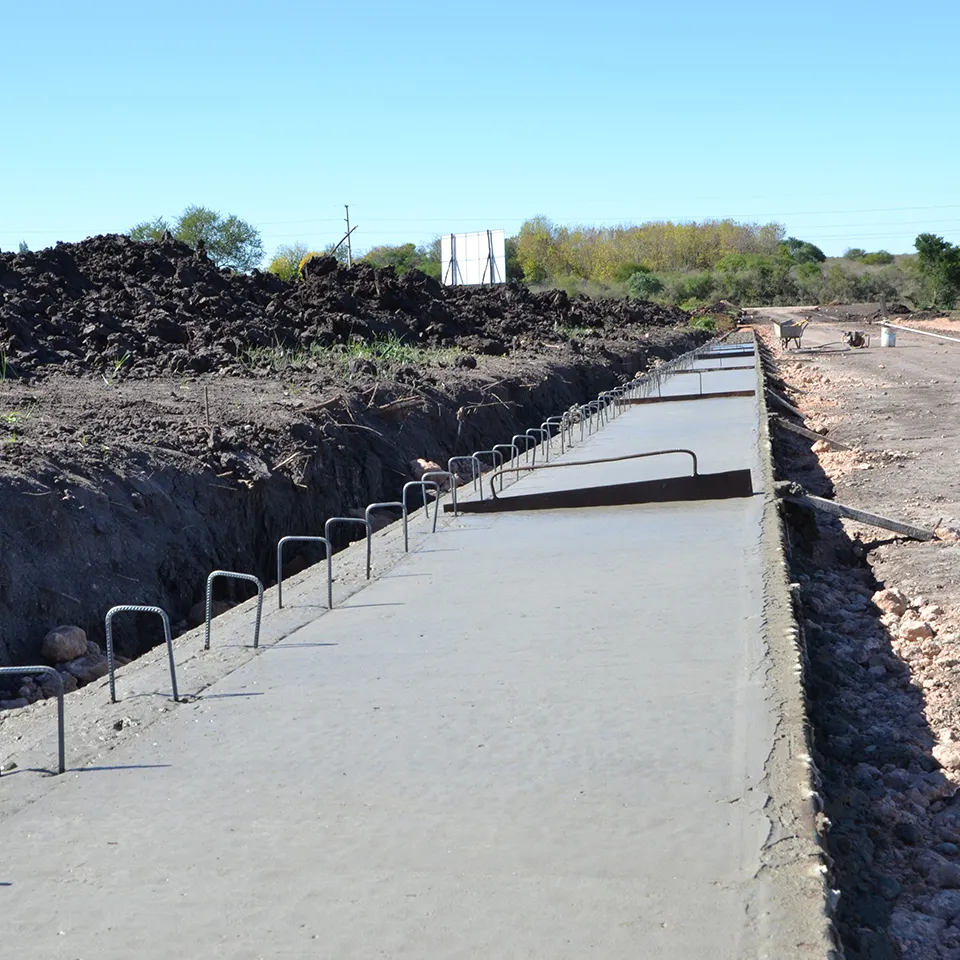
64, 643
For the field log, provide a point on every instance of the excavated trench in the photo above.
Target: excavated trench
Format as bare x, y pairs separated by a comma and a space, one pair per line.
161, 418
146, 524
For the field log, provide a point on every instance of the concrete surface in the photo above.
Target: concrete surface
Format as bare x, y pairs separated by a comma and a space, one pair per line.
538, 735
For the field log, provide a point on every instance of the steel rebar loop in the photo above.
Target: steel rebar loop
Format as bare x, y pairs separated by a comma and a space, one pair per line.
446, 474
50, 672
527, 444
475, 469
493, 454
515, 450
231, 575
388, 504
366, 524
589, 463
555, 422
136, 608
329, 558
423, 485
541, 435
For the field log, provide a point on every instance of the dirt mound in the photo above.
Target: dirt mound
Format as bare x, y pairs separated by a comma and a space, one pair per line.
129, 309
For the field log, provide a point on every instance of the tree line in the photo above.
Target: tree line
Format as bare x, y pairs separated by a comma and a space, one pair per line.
690, 264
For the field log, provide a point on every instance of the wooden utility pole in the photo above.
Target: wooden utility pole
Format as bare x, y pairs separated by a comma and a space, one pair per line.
349, 248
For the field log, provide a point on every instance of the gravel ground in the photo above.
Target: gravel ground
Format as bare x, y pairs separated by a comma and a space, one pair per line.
882, 622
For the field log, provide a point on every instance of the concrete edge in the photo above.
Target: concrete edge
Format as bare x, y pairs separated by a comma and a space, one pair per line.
798, 920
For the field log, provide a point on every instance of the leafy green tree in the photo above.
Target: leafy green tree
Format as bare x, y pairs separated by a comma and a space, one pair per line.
338, 252
644, 285
624, 271
940, 264
150, 230
878, 258
854, 253
800, 251
23, 248
229, 241
402, 258
406, 256
512, 251
286, 261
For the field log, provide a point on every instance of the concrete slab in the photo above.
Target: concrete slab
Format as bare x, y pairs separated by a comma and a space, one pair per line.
538, 735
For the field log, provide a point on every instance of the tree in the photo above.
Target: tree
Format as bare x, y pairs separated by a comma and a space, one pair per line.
511, 251
402, 258
854, 253
23, 248
406, 256
878, 258
286, 261
229, 241
801, 251
644, 285
940, 264
149, 230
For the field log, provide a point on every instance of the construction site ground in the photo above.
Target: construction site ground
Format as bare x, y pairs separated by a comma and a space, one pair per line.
884, 677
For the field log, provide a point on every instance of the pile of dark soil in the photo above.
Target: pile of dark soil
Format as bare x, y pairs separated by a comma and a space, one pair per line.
154, 425
142, 309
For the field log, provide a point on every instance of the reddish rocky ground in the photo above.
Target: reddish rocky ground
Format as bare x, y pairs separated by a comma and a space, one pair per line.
881, 617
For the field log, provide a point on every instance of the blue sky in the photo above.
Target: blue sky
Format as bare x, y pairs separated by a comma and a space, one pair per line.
839, 119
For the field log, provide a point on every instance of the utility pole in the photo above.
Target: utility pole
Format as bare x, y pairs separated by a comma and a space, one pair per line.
346, 207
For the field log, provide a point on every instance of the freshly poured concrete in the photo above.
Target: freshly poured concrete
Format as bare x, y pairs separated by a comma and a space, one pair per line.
540, 735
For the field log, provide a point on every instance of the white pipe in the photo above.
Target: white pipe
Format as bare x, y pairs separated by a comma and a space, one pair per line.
923, 333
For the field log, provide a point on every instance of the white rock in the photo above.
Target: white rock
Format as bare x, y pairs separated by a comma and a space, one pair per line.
947, 755
915, 630
891, 601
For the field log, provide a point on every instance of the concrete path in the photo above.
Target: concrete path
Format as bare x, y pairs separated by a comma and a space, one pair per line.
539, 735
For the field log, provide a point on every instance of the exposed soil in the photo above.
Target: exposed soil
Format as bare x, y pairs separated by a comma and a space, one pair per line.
881, 619
160, 418
85, 307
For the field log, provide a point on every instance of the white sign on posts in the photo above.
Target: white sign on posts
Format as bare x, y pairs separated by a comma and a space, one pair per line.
473, 258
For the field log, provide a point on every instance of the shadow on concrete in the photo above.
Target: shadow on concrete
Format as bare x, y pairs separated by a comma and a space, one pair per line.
223, 696
361, 606
290, 646
129, 766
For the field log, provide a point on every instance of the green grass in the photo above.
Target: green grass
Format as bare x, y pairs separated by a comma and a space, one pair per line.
387, 352
574, 333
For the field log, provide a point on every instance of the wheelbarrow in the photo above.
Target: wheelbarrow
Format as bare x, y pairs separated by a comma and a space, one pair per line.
790, 330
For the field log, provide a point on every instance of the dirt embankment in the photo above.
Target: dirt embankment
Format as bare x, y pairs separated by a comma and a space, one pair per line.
882, 631
160, 418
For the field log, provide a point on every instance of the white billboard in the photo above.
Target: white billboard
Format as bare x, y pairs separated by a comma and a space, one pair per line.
473, 258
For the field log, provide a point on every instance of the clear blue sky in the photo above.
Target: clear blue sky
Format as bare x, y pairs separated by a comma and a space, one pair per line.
839, 119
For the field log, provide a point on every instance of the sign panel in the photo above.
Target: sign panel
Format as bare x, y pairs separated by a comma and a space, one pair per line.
473, 258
